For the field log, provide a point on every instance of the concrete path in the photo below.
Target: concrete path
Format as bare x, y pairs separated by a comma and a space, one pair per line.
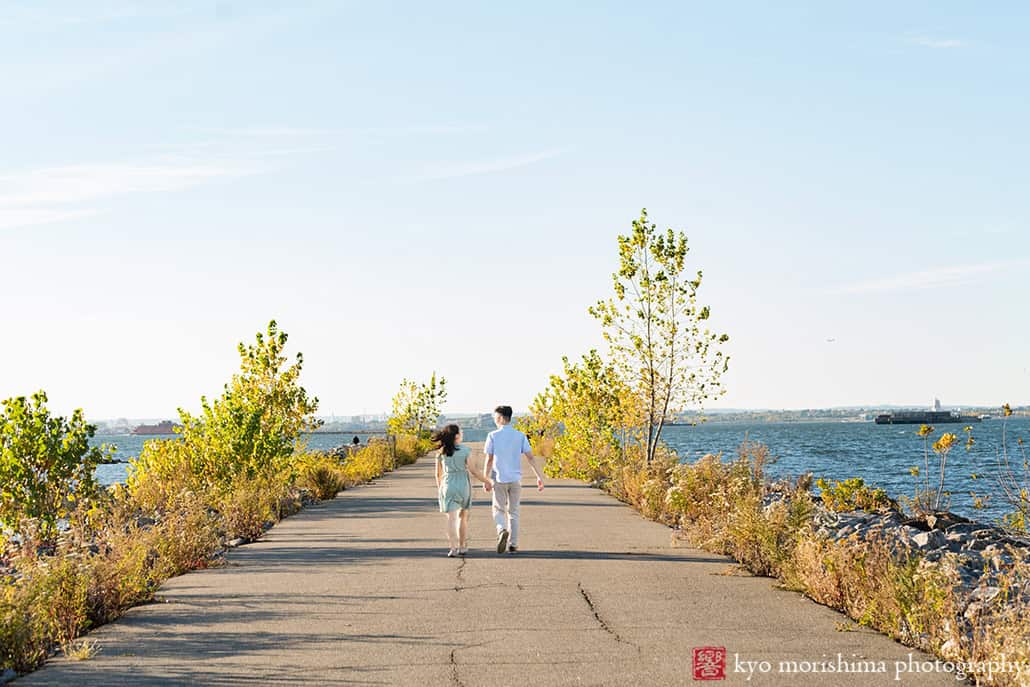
357, 591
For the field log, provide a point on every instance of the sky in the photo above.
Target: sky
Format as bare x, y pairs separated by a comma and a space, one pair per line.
410, 187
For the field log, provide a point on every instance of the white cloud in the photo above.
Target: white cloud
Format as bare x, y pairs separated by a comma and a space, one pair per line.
931, 279
503, 164
928, 41
55, 194
82, 183
383, 131
79, 13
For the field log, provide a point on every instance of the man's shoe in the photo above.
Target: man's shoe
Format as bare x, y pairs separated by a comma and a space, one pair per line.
502, 541
513, 549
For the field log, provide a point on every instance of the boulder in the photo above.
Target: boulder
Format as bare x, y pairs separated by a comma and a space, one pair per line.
931, 539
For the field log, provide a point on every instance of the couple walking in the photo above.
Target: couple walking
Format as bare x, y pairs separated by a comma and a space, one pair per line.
501, 476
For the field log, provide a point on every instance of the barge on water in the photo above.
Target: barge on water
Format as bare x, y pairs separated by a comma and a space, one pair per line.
933, 416
924, 417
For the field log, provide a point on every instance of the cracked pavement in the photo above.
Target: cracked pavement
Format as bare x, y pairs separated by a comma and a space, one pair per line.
358, 591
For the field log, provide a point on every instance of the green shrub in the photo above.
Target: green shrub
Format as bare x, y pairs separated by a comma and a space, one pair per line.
410, 448
24, 640
250, 431
322, 476
46, 464
853, 494
368, 463
246, 509
64, 598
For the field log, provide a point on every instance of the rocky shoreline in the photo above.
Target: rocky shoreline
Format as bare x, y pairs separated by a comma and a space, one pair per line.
973, 553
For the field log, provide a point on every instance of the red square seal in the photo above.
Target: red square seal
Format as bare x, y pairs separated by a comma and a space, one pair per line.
709, 663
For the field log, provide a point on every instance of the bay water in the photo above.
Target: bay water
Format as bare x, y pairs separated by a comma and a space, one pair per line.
880, 454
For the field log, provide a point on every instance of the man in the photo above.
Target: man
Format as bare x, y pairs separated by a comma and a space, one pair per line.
504, 450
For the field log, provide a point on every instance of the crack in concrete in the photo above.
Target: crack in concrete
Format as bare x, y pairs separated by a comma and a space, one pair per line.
455, 678
600, 621
461, 575
454, 670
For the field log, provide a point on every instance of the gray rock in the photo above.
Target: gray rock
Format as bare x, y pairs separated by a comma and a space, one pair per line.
7, 676
963, 529
238, 541
976, 544
929, 540
954, 542
985, 594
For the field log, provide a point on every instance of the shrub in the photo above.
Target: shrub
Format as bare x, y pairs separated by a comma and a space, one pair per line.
410, 448
163, 473
63, 592
248, 432
46, 464
24, 642
578, 423
853, 494
368, 463
322, 476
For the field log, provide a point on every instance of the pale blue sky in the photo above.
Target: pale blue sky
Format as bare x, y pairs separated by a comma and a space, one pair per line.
390, 179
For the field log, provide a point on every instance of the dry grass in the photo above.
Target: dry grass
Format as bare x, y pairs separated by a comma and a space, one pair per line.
82, 650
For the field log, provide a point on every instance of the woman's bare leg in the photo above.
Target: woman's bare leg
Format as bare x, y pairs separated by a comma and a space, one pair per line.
453, 522
463, 529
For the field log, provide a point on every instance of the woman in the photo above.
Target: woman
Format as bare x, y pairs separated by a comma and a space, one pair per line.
454, 487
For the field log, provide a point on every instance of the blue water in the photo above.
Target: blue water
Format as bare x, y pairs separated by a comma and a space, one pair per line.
880, 454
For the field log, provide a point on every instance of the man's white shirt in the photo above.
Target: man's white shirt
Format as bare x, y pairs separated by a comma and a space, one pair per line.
507, 445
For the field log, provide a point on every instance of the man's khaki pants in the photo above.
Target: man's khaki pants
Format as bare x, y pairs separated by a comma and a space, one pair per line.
506, 509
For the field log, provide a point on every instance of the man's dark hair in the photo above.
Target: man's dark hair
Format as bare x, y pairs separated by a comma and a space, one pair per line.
504, 411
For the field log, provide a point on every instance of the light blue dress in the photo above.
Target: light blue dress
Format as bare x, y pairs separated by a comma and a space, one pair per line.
455, 487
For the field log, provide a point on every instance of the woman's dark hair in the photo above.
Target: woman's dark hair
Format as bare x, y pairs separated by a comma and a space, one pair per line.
446, 438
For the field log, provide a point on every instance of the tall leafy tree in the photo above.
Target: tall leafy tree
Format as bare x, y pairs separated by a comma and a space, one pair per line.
248, 431
431, 397
656, 329
417, 407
